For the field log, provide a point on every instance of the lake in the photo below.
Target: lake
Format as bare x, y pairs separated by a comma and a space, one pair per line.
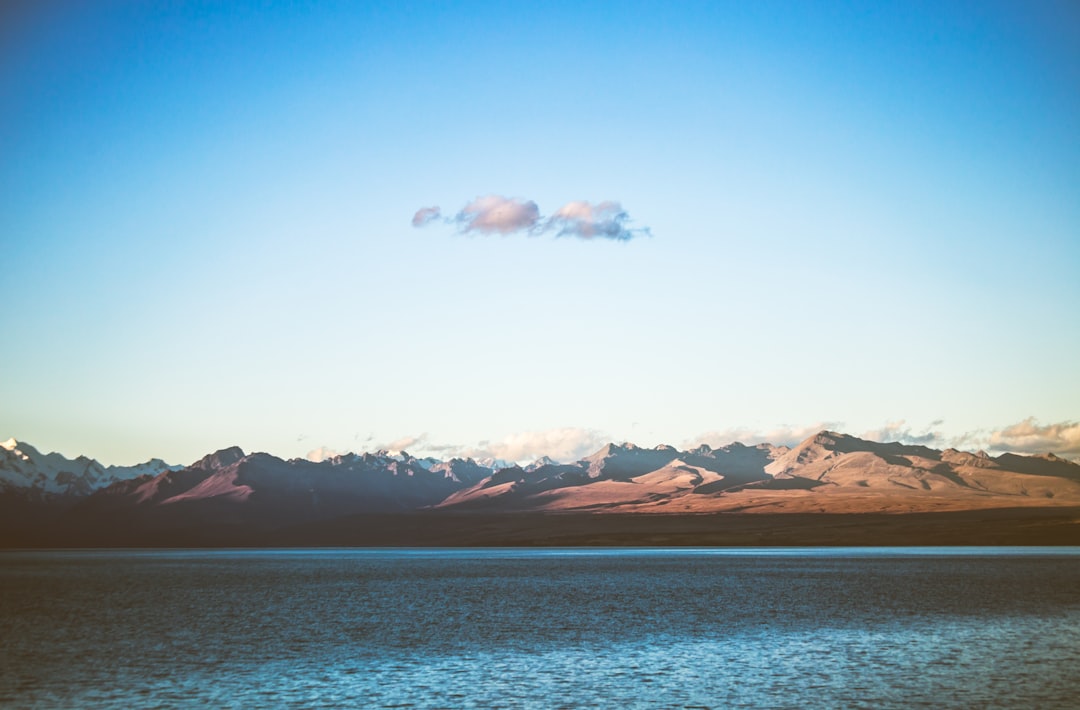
679, 628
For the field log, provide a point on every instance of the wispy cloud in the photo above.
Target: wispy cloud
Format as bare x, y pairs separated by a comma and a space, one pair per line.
1028, 437
581, 219
495, 214
404, 443
780, 436
900, 431
565, 444
426, 215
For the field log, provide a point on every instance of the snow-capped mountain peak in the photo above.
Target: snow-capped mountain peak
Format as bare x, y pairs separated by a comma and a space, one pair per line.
492, 462
24, 467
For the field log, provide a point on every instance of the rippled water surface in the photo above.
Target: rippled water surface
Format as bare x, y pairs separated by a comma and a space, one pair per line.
541, 628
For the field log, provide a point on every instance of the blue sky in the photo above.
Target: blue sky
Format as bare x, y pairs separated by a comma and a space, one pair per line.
862, 215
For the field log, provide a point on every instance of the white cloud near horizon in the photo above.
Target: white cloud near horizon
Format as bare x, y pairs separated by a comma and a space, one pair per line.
900, 431
322, 454
495, 214
1028, 437
778, 436
404, 443
564, 445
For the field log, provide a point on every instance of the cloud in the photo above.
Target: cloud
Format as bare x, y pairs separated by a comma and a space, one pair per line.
969, 440
564, 445
605, 219
426, 215
322, 454
779, 436
495, 214
404, 443
900, 431
1028, 437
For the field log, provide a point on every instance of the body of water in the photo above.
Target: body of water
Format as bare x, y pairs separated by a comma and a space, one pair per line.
541, 628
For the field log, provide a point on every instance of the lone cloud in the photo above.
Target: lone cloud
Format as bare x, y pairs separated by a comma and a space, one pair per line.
495, 214
425, 215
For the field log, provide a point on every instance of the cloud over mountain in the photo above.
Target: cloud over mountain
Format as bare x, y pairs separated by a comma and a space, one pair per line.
900, 431
322, 453
780, 436
495, 214
403, 443
1028, 437
563, 444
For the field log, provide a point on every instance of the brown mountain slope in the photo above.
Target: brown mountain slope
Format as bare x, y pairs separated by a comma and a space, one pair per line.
828, 472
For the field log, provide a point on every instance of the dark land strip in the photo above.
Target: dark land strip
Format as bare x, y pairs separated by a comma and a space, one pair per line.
1014, 526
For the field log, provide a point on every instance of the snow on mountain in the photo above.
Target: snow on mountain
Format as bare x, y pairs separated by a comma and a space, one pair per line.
233, 488
24, 467
541, 462
492, 463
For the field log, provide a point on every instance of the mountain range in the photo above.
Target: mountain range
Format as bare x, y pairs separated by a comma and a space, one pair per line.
24, 468
230, 489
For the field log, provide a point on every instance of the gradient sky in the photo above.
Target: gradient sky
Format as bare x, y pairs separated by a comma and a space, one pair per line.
862, 215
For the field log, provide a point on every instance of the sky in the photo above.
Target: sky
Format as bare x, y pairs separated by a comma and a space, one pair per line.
517, 229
